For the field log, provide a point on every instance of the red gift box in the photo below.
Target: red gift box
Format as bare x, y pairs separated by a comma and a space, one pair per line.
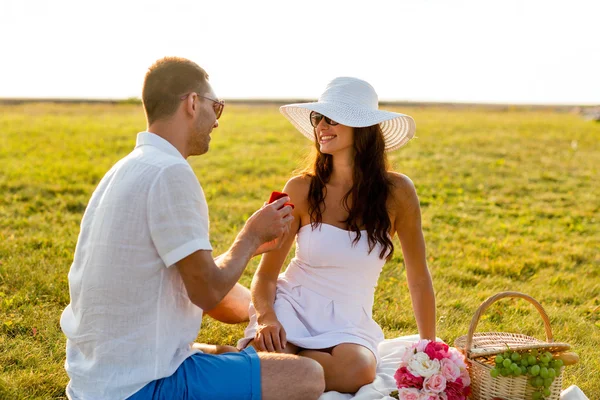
278, 195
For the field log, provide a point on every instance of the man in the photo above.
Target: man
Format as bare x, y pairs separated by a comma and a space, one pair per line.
143, 270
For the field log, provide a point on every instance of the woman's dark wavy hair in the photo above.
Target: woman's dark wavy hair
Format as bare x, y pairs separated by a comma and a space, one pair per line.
366, 201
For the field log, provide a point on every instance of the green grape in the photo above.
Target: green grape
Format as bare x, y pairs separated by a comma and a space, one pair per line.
506, 363
546, 392
531, 360
506, 354
531, 381
535, 370
536, 396
545, 359
551, 373
534, 352
515, 372
505, 372
544, 372
538, 382
524, 362
557, 363
499, 359
548, 355
523, 370
515, 356
547, 382
495, 372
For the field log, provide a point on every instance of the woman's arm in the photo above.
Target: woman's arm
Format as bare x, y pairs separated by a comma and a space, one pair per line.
270, 335
408, 228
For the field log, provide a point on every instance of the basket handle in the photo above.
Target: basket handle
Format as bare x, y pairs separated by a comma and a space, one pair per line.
493, 299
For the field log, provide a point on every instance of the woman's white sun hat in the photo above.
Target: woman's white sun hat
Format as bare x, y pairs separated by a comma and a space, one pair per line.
352, 102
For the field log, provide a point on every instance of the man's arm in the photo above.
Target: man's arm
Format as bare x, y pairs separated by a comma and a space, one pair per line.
207, 282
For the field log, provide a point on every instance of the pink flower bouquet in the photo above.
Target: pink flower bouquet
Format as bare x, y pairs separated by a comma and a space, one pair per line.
432, 371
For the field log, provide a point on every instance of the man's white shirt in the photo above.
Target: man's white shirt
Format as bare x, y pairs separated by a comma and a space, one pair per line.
130, 320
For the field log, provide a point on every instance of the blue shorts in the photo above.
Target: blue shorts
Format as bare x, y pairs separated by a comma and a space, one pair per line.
209, 377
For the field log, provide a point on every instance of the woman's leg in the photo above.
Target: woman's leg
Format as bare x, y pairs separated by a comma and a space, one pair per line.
347, 368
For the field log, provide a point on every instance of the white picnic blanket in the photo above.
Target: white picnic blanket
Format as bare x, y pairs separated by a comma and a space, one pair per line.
390, 351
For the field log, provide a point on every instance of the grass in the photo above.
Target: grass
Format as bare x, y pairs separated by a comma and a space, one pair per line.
510, 201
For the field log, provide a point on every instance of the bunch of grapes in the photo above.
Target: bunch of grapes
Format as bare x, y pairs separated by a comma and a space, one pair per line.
540, 368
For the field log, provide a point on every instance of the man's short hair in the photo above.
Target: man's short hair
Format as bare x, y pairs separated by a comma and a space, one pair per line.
166, 81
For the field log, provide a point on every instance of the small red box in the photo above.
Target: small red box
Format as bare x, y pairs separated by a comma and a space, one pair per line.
278, 195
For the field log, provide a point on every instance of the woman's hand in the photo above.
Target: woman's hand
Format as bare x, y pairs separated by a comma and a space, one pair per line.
270, 335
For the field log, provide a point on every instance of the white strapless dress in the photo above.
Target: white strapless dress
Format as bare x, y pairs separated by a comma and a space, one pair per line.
325, 296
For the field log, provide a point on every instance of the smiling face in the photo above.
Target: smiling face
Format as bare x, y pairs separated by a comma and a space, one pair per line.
334, 139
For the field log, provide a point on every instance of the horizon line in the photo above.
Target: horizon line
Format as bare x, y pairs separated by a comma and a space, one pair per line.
291, 100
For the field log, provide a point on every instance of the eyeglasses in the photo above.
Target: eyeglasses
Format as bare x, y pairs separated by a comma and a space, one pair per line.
218, 104
316, 117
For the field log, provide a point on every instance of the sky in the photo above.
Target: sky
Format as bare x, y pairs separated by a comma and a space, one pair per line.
485, 51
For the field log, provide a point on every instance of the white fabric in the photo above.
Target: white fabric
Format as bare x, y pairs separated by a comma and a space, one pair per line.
352, 102
130, 320
325, 296
573, 393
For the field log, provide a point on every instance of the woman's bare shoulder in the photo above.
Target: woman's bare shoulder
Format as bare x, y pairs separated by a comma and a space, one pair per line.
298, 184
299, 180
403, 193
402, 184
297, 188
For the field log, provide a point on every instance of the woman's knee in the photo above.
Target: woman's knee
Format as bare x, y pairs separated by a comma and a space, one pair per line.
362, 373
357, 373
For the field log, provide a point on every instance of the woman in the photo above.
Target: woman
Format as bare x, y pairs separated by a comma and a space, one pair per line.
348, 208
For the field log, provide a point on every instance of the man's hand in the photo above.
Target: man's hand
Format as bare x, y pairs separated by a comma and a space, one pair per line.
270, 224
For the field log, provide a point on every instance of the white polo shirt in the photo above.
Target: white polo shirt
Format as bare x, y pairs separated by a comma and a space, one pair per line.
130, 320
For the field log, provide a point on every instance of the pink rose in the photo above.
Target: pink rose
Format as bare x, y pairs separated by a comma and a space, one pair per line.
420, 345
449, 369
435, 383
404, 379
409, 394
437, 350
455, 391
407, 356
458, 358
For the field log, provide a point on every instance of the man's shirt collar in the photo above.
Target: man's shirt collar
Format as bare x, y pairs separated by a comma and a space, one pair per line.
152, 139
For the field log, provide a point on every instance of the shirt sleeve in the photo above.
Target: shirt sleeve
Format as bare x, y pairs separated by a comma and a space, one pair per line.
178, 214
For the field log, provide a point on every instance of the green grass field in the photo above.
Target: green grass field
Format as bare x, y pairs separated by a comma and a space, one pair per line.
510, 201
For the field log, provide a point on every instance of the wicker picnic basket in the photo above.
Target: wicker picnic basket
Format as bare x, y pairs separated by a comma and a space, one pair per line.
480, 348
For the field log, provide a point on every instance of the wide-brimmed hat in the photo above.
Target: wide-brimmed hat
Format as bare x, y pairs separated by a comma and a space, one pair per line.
352, 102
